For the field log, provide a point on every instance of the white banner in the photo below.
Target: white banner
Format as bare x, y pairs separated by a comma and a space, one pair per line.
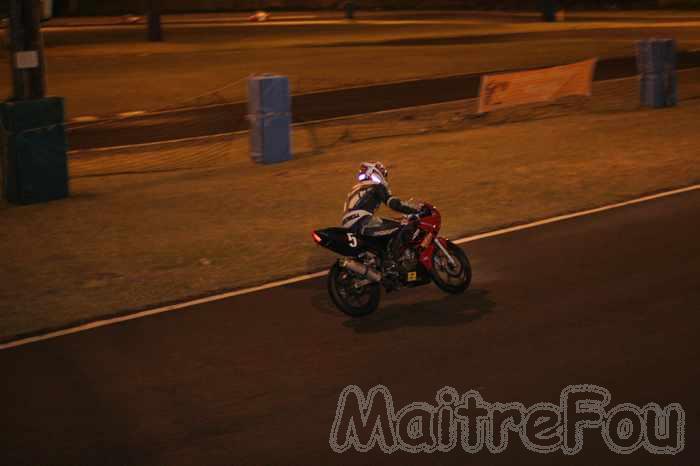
543, 85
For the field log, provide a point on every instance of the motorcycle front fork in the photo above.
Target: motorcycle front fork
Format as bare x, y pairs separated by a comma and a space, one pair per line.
442, 248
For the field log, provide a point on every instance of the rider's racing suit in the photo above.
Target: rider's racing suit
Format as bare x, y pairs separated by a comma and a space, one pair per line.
361, 204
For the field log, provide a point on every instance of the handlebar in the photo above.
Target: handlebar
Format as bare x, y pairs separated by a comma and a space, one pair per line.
425, 211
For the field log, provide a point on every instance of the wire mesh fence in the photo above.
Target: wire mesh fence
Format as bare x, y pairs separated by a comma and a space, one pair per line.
215, 141
620, 95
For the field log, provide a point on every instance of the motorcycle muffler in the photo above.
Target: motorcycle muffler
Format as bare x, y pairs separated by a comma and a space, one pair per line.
361, 269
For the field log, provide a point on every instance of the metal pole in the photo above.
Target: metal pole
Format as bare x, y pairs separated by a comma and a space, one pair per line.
27, 50
548, 11
155, 30
16, 38
350, 9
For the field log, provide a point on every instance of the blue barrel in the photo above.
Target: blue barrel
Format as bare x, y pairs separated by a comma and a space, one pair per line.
269, 109
659, 90
270, 139
657, 64
656, 56
268, 94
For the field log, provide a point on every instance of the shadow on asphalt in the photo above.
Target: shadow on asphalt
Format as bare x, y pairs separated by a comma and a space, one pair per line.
448, 311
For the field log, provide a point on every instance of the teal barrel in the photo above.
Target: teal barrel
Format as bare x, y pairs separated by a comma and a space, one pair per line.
269, 110
657, 66
33, 150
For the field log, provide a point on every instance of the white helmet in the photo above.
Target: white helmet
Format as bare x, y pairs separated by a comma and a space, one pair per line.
374, 172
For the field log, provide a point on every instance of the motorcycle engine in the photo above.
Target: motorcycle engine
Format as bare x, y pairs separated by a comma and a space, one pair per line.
408, 260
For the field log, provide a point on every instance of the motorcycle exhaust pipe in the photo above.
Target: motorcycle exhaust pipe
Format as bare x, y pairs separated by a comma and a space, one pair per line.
361, 269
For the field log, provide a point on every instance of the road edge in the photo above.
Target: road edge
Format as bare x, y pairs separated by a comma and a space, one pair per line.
218, 295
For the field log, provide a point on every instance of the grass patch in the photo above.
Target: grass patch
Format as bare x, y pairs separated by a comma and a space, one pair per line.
124, 242
105, 71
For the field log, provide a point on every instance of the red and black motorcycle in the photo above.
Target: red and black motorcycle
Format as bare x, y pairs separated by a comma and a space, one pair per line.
413, 255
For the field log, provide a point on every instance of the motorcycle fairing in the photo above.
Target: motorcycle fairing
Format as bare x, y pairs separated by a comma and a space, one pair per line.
346, 243
426, 256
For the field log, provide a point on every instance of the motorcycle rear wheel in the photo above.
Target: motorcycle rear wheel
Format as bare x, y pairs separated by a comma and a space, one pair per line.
453, 280
353, 302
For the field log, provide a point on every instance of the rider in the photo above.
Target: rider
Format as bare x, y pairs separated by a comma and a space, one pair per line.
366, 197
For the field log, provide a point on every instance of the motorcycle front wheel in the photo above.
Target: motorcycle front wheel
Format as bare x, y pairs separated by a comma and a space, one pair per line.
450, 278
352, 300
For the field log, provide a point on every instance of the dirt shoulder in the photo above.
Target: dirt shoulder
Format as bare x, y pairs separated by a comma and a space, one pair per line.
127, 241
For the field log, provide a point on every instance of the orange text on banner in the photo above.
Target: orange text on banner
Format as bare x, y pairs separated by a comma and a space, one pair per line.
543, 85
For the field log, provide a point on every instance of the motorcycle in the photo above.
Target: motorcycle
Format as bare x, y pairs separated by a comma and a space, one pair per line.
414, 255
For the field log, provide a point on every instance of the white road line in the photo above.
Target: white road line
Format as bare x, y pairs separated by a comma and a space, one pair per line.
84, 119
133, 113
301, 278
583, 213
160, 310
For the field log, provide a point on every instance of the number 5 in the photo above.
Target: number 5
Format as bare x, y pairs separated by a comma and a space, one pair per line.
352, 239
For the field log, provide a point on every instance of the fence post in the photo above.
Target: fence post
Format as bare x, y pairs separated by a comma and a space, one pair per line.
549, 11
155, 28
656, 63
350, 9
269, 111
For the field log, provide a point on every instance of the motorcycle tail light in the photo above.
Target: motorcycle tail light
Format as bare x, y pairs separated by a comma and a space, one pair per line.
316, 237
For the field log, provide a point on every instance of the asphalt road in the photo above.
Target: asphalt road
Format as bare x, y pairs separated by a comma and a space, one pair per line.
610, 299
211, 120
